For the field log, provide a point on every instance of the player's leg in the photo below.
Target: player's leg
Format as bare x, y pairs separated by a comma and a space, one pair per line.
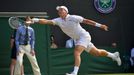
80, 46
77, 52
101, 52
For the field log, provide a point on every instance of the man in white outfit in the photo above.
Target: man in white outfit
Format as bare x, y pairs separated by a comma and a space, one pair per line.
70, 25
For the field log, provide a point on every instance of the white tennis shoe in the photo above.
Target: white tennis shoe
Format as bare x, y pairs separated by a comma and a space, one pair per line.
117, 58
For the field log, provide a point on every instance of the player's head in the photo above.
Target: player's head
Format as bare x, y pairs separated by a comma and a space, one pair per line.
62, 11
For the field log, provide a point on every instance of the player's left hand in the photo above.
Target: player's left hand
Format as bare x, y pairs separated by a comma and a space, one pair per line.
32, 52
104, 27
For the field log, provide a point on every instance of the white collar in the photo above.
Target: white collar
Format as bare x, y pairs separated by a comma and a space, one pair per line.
66, 17
26, 26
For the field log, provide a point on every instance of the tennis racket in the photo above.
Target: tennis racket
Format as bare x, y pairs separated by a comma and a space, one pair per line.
14, 22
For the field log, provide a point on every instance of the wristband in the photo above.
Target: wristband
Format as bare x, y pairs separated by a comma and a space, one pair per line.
97, 24
35, 19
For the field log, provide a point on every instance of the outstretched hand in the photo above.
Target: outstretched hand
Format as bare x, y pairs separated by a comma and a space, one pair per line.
104, 27
29, 21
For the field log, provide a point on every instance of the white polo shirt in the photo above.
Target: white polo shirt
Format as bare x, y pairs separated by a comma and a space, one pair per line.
71, 26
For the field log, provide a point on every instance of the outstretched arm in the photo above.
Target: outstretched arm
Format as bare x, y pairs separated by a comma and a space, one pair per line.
43, 21
40, 21
93, 23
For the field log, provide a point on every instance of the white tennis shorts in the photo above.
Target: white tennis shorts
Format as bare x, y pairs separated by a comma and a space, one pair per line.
86, 42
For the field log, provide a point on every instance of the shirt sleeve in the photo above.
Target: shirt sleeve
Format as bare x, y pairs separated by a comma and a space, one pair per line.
79, 18
56, 21
17, 39
32, 42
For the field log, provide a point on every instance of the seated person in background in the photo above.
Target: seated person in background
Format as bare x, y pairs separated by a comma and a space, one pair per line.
131, 69
53, 45
132, 57
70, 43
114, 45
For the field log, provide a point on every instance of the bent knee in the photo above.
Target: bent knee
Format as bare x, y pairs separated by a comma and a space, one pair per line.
99, 52
95, 52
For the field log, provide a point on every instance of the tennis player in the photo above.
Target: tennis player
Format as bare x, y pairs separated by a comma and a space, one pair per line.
70, 25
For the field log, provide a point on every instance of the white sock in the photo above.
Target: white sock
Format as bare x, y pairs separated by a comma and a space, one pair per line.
75, 70
111, 55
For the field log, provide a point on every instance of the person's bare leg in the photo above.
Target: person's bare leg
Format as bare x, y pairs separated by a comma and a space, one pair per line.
77, 52
12, 65
98, 52
101, 52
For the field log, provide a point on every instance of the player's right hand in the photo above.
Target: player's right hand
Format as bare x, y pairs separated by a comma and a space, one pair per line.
104, 27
